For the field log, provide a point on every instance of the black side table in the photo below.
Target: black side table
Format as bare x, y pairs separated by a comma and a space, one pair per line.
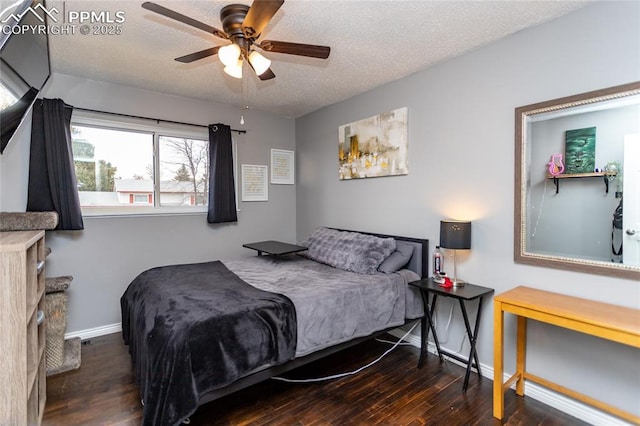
274, 247
463, 294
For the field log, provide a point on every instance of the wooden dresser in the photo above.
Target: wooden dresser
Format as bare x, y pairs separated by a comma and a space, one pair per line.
22, 333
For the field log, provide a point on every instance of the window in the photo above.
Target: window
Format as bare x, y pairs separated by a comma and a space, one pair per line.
130, 167
184, 171
142, 198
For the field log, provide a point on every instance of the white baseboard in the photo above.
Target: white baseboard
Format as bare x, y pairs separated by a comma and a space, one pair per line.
556, 400
95, 332
553, 399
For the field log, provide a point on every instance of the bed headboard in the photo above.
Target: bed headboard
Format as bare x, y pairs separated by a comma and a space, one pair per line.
419, 262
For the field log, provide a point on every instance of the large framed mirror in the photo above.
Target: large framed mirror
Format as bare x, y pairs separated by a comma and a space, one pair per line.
577, 182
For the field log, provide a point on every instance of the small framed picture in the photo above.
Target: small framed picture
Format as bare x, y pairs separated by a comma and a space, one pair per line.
282, 167
254, 183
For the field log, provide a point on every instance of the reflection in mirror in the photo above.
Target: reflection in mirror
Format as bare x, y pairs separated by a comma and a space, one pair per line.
577, 187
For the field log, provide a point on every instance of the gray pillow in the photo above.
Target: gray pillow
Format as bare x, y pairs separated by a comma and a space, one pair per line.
398, 259
350, 251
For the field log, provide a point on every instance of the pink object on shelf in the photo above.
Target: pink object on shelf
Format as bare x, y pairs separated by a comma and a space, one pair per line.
556, 167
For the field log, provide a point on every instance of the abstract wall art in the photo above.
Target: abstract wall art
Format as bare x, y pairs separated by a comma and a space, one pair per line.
580, 150
374, 147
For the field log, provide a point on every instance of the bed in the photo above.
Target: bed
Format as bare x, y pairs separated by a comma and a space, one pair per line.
198, 332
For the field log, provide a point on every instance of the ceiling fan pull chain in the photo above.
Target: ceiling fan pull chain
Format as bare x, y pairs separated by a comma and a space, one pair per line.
243, 102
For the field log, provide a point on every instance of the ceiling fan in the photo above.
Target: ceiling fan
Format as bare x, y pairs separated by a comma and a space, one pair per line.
242, 26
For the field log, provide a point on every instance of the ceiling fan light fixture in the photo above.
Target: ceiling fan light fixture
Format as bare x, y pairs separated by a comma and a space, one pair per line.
229, 54
242, 26
234, 70
259, 63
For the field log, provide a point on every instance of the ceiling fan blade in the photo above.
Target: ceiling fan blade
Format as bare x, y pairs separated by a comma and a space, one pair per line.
259, 15
267, 75
198, 55
182, 18
299, 49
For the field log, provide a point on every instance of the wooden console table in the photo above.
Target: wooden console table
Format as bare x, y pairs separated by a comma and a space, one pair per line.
611, 322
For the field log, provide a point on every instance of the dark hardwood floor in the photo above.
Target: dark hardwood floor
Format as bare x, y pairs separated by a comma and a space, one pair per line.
392, 392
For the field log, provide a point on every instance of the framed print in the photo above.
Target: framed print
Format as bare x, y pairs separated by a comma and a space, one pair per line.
282, 167
580, 150
374, 146
254, 183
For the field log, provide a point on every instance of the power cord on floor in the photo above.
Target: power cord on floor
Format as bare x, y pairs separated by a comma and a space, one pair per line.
446, 328
464, 338
393, 343
350, 373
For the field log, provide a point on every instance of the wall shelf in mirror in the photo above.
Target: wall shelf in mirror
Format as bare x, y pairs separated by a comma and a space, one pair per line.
604, 175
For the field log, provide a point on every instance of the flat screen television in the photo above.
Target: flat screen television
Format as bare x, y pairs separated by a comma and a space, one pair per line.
24, 63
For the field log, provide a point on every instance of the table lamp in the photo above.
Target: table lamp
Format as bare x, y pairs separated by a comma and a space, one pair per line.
455, 235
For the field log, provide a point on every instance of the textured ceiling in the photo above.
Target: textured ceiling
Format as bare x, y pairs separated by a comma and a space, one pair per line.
372, 43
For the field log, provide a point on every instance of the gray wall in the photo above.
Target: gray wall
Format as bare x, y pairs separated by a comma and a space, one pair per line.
461, 144
110, 252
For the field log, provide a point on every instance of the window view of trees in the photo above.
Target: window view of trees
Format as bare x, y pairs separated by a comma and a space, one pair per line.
91, 175
186, 161
182, 175
116, 168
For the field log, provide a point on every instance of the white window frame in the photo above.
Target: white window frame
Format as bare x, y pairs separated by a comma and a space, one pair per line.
157, 129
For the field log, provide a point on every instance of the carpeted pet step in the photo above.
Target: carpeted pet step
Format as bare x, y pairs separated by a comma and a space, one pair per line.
56, 284
28, 221
72, 357
55, 307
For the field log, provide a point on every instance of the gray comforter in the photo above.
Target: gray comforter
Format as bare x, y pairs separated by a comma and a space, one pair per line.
198, 327
332, 305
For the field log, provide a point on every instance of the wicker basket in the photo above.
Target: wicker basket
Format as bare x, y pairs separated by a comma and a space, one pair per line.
56, 320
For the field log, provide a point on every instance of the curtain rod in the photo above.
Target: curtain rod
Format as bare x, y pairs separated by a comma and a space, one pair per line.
152, 119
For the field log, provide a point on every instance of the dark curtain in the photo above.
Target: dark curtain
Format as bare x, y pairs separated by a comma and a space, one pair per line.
222, 194
12, 116
52, 178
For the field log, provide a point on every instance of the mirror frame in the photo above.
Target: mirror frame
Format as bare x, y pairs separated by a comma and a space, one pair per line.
520, 212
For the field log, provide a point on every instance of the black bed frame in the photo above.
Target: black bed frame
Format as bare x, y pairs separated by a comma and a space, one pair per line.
267, 373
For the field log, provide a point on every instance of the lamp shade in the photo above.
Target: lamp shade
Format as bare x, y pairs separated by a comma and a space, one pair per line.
234, 71
259, 63
455, 234
229, 54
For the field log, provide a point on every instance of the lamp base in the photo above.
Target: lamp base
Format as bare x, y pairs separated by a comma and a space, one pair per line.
458, 282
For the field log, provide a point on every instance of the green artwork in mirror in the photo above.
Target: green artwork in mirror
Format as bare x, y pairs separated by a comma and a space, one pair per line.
580, 150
